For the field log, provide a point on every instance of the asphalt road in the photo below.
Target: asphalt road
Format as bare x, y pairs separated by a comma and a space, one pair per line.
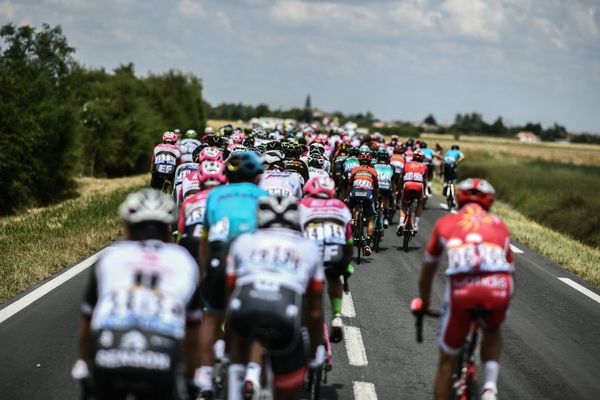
551, 338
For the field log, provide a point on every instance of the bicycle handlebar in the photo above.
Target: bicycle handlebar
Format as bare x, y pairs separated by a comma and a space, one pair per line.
417, 310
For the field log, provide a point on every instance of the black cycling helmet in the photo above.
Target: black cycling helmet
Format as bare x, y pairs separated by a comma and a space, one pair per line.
354, 152
243, 166
197, 151
423, 145
455, 147
278, 212
212, 141
383, 154
273, 145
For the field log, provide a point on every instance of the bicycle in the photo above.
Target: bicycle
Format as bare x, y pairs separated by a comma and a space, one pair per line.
449, 191
408, 231
464, 377
317, 376
378, 228
358, 228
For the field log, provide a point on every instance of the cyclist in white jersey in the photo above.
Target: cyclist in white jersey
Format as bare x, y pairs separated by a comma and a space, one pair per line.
275, 277
142, 308
275, 180
316, 166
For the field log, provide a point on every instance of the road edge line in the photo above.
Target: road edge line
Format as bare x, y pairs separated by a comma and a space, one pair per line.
581, 289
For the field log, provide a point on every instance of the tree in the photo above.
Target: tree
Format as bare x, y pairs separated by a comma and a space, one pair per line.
430, 120
498, 128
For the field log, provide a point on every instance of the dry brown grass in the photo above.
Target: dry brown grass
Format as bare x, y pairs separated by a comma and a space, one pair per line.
37, 243
566, 153
217, 123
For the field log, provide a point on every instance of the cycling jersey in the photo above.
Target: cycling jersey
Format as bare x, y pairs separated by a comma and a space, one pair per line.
165, 158
327, 222
182, 171
191, 214
349, 164
270, 271
314, 172
231, 211
187, 147
451, 157
364, 177
413, 178
281, 183
385, 173
190, 185
397, 161
298, 166
428, 155
480, 267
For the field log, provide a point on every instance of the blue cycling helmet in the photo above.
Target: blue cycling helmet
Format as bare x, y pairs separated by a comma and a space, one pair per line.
243, 166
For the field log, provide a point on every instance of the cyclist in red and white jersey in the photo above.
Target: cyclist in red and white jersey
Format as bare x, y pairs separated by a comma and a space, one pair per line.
414, 181
165, 158
479, 276
326, 220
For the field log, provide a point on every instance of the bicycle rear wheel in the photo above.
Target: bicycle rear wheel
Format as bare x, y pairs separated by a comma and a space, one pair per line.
315, 378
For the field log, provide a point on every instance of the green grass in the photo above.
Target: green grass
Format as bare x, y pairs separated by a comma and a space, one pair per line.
565, 198
36, 244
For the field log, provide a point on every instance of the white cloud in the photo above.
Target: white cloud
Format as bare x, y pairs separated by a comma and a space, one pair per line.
190, 9
415, 13
7, 10
478, 19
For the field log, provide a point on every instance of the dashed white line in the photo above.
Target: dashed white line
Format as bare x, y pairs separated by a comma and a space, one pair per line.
46, 288
444, 206
364, 391
357, 356
515, 249
581, 289
348, 306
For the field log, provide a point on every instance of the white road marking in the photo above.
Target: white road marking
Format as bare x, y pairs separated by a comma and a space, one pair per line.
364, 391
348, 306
581, 289
444, 206
515, 249
357, 356
46, 288
453, 211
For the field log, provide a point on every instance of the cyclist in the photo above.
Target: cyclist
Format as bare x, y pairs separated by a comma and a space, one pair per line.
429, 155
142, 307
275, 277
348, 165
293, 162
326, 220
480, 267
451, 159
182, 171
275, 180
230, 212
316, 165
385, 177
188, 144
414, 180
165, 158
191, 216
363, 190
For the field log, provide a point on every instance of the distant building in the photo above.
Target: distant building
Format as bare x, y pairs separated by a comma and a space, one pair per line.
527, 137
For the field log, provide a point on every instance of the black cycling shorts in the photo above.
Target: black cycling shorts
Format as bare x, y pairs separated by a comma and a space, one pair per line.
274, 317
450, 173
364, 197
159, 178
190, 243
213, 284
386, 194
113, 380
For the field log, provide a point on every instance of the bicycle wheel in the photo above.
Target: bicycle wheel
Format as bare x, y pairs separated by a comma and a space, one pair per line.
407, 232
314, 384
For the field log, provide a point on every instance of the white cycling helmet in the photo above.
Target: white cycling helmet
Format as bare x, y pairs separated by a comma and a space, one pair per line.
148, 205
278, 212
273, 158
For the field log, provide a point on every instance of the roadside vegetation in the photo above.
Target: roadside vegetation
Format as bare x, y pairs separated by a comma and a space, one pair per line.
61, 120
39, 242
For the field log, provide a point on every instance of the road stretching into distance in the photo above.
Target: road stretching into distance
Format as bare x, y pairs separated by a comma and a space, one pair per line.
551, 340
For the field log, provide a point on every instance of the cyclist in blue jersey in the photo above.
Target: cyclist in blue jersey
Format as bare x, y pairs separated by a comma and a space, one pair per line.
428, 155
452, 158
230, 212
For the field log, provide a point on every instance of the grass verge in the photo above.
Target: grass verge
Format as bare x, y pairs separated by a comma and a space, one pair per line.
568, 253
37, 243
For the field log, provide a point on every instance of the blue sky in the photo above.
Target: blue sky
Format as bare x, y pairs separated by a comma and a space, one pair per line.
527, 60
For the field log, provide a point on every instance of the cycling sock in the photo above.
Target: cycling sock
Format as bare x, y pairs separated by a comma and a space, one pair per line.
491, 369
219, 349
350, 269
417, 219
253, 371
336, 306
204, 380
235, 381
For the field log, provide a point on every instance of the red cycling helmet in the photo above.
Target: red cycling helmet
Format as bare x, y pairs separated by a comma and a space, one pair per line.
399, 150
211, 173
169, 137
364, 158
320, 186
418, 156
475, 190
210, 154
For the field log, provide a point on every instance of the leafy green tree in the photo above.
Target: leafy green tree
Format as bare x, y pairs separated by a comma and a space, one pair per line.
430, 120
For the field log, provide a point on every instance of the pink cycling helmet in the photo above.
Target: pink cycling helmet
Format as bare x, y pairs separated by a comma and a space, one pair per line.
211, 173
169, 137
320, 186
238, 137
210, 154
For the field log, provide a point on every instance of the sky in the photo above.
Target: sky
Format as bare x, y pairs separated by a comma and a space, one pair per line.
524, 60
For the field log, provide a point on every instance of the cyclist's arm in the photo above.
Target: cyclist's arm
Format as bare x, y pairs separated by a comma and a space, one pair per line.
314, 315
460, 159
430, 264
90, 299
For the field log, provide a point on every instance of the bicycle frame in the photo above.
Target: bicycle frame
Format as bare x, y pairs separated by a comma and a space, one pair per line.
464, 379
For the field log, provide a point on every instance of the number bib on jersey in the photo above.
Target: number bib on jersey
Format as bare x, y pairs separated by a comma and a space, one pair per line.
486, 257
413, 177
326, 232
277, 191
165, 158
165, 168
195, 217
385, 181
